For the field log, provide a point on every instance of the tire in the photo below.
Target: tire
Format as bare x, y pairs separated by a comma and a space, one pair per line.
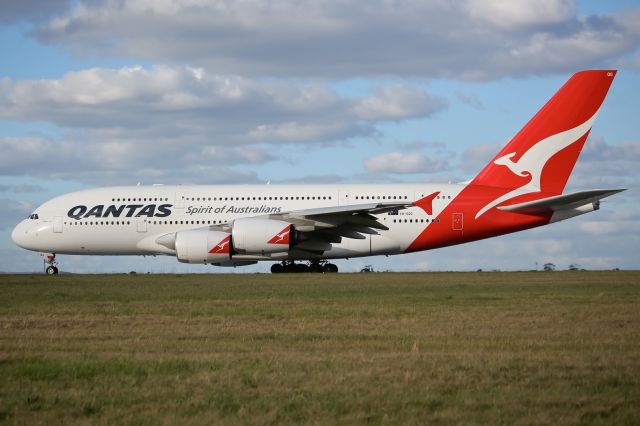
330, 268
315, 267
52, 270
291, 267
277, 268
301, 267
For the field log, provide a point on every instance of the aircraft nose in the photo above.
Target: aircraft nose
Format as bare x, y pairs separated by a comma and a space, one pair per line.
19, 235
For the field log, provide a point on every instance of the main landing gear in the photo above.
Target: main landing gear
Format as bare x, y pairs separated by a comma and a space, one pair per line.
50, 263
312, 266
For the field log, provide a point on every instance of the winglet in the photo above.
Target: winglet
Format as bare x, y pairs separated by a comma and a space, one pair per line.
426, 203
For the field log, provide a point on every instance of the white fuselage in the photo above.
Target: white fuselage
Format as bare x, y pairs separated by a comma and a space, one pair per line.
128, 220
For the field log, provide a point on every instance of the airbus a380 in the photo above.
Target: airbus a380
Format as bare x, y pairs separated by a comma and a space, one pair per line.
520, 188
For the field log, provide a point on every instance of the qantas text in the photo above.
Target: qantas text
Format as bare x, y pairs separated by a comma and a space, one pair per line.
129, 210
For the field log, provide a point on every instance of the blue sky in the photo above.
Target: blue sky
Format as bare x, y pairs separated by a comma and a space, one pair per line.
106, 93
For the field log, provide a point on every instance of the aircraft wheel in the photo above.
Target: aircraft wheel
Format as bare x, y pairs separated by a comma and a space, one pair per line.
277, 268
330, 267
315, 267
290, 267
301, 267
52, 270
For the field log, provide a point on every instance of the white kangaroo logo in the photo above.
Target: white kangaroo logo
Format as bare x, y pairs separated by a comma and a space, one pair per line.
280, 237
221, 246
533, 161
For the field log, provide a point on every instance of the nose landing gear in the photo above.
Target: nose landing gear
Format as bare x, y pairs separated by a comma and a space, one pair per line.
313, 266
50, 263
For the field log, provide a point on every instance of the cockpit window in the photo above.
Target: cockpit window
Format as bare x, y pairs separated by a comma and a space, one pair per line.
33, 216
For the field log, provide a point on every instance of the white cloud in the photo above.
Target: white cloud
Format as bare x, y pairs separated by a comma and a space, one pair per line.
30, 10
604, 165
144, 122
519, 14
13, 211
22, 188
164, 102
114, 162
475, 39
617, 223
234, 155
598, 150
291, 132
397, 102
397, 162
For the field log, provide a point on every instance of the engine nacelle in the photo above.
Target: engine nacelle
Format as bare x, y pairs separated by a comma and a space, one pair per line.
203, 246
262, 236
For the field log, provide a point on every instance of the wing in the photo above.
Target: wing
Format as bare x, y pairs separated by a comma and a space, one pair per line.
326, 225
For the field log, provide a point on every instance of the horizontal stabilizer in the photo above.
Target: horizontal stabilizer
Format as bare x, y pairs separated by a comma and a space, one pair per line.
561, 202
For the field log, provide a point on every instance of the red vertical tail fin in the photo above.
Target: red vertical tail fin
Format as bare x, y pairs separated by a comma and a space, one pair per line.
540, 158
559, 129
534, 165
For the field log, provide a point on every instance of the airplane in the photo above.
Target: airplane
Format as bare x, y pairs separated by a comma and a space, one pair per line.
235, 225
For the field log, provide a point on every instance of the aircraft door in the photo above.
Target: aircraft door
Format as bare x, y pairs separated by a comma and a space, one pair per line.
343, 198
178, 202
141, 225
457, 222
57, 224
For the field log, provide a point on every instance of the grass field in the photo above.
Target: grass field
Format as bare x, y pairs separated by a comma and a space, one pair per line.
496, 348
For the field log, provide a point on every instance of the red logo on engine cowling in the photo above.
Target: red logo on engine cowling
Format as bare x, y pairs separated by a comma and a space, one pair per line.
222, 247
281, 237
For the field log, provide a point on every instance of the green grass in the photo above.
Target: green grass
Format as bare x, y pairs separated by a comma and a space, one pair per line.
436, 348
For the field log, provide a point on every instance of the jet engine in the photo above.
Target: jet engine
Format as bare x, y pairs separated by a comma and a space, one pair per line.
202, 246
262, 236
249, 236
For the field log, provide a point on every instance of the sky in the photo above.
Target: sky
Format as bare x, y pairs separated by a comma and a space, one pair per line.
116, 92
